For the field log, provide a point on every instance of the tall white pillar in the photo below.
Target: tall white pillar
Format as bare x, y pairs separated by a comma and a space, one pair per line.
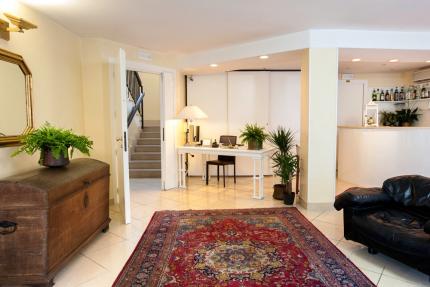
318, 127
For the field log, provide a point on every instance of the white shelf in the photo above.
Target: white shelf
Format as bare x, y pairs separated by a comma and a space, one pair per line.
401, 102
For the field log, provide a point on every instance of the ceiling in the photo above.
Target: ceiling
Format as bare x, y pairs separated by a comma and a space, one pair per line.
372, 61
185, 26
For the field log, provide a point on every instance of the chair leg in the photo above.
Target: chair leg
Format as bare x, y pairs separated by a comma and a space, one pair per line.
217, 172
234, 173
207, 174
223, 174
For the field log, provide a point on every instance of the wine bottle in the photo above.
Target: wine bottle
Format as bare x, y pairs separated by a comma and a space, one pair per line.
402, 94
382, 95
374, 96
387, 95
396, 94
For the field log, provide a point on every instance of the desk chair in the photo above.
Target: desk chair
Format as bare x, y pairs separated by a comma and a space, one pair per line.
223, 160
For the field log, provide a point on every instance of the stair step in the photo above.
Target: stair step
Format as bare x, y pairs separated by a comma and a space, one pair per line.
152, 135
146, 156
145, 164
147, 148
148, 141
145, 173
151, 129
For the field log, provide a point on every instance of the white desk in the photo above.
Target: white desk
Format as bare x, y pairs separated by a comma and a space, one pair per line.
256, 155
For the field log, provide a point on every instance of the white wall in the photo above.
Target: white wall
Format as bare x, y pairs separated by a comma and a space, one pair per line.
151, 101
53, 55
379, 80
209, 92
233, 99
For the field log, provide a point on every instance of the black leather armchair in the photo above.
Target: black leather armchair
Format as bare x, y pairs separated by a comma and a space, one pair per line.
394, 219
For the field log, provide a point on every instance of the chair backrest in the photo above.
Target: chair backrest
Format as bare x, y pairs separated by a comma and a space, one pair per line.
225, 139
228, 140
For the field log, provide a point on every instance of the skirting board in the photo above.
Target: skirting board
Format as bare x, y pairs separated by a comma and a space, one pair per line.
316, 206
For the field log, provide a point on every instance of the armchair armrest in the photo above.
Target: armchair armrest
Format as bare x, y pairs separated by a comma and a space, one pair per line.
427, 227
357, 196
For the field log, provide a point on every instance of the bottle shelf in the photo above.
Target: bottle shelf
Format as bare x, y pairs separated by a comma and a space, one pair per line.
402, 102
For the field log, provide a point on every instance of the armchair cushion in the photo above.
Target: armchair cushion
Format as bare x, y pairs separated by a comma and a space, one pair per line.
409, 190
357, 196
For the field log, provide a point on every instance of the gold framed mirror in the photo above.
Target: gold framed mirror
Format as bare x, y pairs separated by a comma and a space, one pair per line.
16, 114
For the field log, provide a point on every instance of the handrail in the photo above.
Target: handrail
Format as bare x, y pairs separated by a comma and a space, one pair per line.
135, 89
135, 109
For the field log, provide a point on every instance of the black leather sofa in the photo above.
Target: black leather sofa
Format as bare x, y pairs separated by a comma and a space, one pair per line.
394, 219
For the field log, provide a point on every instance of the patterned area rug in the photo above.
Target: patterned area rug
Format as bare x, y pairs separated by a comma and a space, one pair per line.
242, 247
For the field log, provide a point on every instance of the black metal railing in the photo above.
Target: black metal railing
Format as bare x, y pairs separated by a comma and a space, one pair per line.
135, 90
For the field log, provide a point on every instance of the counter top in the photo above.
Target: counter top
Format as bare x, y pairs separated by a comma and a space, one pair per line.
383, 128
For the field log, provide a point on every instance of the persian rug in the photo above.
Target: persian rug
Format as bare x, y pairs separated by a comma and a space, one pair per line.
241, 247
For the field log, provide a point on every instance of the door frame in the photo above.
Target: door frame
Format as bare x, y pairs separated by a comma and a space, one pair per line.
154, 69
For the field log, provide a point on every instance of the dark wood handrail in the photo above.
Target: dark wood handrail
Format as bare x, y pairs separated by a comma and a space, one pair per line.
135, 88
135, 109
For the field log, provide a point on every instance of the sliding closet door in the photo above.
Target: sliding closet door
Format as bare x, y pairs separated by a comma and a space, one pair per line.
285, 101
248, 102
208, 92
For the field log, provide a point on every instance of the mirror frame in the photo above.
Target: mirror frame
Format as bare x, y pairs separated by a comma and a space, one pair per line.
13, 140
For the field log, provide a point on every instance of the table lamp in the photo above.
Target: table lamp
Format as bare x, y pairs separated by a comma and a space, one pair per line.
191, 113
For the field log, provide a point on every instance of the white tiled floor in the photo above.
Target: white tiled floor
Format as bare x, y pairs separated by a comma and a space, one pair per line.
100, 262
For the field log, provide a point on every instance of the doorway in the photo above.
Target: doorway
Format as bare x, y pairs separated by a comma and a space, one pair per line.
120, 120
144, 132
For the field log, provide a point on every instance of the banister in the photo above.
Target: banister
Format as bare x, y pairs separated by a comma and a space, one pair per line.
135, 89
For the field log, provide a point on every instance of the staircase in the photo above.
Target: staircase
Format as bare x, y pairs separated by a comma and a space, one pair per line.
145, 159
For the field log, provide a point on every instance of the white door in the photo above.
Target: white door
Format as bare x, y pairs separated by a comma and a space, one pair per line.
168, 123
248, 103
120, 156
285, 101
350, 103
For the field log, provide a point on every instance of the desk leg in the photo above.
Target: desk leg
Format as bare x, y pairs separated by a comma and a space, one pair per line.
258, 191
261, 180
182, 170
203, 167
254, 178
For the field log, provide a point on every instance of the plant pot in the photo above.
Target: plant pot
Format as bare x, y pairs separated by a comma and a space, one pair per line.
289, 198
255, 145
278, 191
405, 124
48, 159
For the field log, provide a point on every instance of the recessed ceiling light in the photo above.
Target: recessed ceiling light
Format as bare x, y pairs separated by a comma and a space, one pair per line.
213, 65
356, 60
263, 57
393, 60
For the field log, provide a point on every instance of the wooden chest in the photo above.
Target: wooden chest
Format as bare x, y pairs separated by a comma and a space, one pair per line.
47, 215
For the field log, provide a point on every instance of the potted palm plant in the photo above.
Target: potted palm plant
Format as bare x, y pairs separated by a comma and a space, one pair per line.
406, 117
285, 163
254, 136
54, 145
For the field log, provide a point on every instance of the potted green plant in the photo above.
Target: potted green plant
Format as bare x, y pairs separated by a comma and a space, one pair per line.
285, 163
389, 119
406, 117
54, 145
254, 136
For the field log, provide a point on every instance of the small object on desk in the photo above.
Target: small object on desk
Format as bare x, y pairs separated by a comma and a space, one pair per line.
206, 142
215, 144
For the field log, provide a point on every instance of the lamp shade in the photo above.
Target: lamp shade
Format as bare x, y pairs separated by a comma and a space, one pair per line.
191, 113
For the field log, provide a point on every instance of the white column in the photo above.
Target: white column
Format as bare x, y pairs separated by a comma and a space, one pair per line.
318, 127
